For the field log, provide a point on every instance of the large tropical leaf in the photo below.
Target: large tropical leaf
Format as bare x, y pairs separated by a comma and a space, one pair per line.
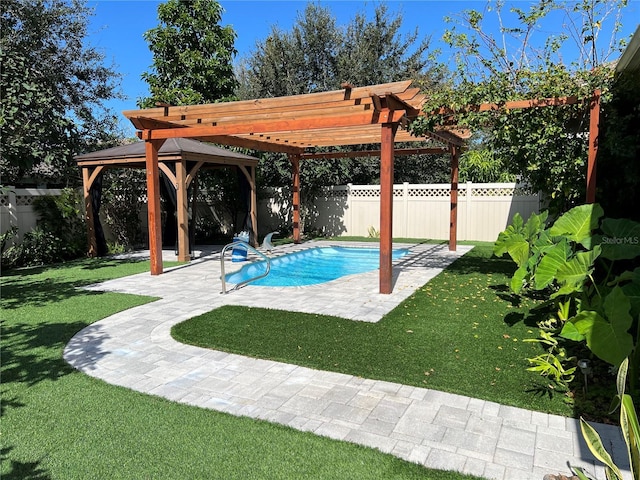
504, 238
519, 279
553, 259
535, 224
573, 273
620, 239
571, 332
578, 223
609, 340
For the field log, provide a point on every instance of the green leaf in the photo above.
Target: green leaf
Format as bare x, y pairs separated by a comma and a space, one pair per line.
554, 258
570, 332
518, 279
608, 340
631, 433
501, 245
580, 474
578, 223
573, 273
535, 224
632, 291
620, 239
594, 443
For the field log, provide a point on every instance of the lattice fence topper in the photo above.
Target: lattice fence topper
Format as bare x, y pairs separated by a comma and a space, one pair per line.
434, 191
4, 200
429, 192
22, 200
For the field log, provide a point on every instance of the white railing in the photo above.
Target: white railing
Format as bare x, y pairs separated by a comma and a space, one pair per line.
419, 211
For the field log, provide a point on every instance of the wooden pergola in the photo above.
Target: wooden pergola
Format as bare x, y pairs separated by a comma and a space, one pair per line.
180, 159
377, 114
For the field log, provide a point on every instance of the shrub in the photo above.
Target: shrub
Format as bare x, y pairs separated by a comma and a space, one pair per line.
59, 235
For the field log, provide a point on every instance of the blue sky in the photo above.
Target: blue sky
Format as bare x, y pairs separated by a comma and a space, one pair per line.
117, 27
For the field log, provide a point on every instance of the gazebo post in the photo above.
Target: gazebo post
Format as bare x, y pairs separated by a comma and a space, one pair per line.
386, 206
295, 178
453, 214
153, 204
88, 204
594, 120
182, 211
250, 175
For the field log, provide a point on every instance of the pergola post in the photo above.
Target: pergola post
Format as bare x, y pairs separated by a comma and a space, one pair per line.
254, 206
295, 179
386, 206
182, 211
594, 120
453, 214
88, 204
153, 204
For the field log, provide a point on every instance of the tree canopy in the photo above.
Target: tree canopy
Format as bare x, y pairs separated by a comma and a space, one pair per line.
547, 147
192, 55
317, 54
52, 90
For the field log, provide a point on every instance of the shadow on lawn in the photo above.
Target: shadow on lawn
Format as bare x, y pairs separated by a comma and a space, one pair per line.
30, 353
31, 287
23, 470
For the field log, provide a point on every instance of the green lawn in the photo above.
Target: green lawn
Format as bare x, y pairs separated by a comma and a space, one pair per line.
463, 332
60, 424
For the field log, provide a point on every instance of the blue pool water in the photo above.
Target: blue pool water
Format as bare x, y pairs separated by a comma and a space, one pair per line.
313, 266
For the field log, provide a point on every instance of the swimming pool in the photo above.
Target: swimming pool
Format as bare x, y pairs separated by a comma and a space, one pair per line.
313, 266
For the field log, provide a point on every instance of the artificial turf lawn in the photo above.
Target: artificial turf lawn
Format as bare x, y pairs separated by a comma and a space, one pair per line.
462, 332
60, 424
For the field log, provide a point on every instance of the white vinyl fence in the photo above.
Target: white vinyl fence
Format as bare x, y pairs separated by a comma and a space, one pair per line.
16, 208
419, 211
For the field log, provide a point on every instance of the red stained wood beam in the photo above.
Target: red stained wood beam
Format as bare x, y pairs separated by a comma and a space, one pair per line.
512, 105
153, 205
386, 206
281, 126
182, 210
594, 121
374, 153
295, 180
453, 215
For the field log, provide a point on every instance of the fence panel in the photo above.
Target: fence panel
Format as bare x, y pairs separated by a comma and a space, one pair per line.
422, 211
16, 208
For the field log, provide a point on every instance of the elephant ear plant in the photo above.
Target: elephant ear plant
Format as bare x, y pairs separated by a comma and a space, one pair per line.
576, 262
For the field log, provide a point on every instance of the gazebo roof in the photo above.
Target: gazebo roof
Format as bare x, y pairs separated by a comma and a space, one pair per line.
173, 149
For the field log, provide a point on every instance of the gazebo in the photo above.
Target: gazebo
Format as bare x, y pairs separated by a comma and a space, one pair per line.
180, 160
297, 125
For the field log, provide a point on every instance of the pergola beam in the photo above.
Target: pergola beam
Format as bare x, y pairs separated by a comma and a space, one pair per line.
374, 153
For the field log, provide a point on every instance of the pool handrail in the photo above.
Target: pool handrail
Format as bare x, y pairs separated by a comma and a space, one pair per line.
244, 282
